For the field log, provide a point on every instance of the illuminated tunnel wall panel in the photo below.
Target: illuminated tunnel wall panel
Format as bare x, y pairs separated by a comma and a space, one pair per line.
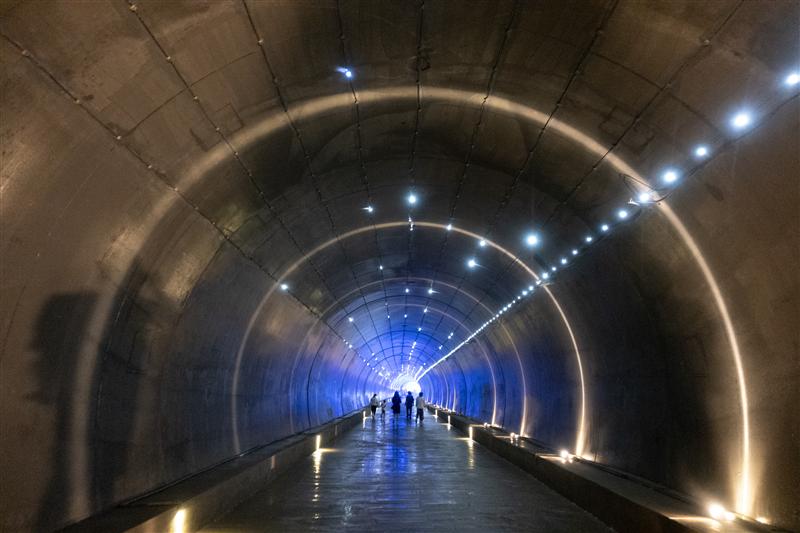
138, 245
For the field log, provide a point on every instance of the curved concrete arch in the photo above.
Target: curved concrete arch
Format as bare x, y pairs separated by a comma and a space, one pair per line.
150, 206
327, 104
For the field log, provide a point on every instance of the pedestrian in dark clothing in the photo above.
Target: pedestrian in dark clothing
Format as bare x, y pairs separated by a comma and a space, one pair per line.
396, 401
409, 404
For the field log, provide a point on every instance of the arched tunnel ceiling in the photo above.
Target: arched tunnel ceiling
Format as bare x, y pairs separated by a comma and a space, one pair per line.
279, 124
433, 107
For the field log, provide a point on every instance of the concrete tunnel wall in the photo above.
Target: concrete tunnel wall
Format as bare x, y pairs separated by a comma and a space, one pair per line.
151, 209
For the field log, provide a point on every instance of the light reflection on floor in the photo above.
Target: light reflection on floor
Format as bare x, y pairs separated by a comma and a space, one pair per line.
395, 474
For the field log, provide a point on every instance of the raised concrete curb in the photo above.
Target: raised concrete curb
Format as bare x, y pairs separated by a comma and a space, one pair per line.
621, 502
197, 500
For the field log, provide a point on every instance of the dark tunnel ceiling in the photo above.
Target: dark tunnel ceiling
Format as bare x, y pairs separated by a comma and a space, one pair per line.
311, 126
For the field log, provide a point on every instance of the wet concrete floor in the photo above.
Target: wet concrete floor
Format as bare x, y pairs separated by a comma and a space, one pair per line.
393, 474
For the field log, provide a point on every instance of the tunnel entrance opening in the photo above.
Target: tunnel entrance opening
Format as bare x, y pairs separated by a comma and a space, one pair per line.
412, 386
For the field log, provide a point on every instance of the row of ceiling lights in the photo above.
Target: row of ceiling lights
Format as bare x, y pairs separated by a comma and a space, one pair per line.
739, 121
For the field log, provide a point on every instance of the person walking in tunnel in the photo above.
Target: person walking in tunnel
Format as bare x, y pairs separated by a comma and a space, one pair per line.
383, 408
396, 401
373, 404
420, 407
409, 404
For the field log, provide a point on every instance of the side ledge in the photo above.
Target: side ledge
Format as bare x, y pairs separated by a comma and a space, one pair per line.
624, 502
197, 500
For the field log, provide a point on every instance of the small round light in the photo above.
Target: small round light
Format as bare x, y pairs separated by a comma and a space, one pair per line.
792, 79
472, 263
717, 512
524, 292
645, 197
741, 120
701, 151
412, 198
545, 275
408, 290
530, 288
369, 209
482, 243
563, 260
622, 214
284, 287
588, 238
431, 291
604, 227
449, 227
553, 269
419, 329
348, 73
574, 251
380, 267
532, 239
349, 319
425, 310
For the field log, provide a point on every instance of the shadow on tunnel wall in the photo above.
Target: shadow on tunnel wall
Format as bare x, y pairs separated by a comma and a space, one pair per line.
58, 334
92, 386
139, 381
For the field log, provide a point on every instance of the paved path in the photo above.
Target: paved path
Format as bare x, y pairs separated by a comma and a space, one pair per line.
395, 475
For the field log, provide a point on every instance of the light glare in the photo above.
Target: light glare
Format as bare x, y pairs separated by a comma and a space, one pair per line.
532, 239
472, 263
622, 214
741, 120
412, 198
284, 287
718, 512
670, 176
792, 79
178, 524
701, 151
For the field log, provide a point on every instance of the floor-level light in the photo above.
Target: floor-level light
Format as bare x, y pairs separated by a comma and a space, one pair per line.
178, 524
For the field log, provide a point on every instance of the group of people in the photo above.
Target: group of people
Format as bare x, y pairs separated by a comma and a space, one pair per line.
397, 401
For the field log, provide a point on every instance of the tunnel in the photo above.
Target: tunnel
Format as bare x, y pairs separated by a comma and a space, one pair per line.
226, 223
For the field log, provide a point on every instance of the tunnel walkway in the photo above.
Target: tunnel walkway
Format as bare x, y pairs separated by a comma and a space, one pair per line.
392, 474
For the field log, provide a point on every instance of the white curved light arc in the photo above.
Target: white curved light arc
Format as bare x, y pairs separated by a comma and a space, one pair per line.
248, 137
455, 288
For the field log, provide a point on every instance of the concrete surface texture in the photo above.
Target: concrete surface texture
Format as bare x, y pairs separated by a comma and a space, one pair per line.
198, 197
394, 474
